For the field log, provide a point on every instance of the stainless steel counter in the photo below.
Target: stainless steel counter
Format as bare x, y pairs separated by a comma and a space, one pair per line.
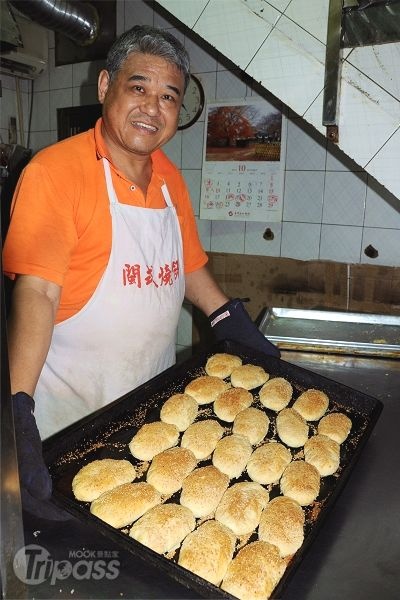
356, 554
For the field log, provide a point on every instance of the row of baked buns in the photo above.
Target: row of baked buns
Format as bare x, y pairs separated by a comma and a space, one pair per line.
232, 510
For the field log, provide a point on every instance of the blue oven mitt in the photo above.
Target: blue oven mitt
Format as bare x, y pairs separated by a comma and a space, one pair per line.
232, 322
35, 480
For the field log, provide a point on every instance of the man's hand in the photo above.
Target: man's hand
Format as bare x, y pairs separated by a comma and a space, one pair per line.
35, 480
232, 321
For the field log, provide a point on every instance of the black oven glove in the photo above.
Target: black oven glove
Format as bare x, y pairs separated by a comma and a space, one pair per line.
35, 480
232, 322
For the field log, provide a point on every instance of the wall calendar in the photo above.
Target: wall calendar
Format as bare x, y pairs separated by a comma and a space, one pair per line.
243, 161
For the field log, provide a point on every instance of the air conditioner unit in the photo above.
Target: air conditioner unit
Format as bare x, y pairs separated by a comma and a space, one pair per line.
30, 59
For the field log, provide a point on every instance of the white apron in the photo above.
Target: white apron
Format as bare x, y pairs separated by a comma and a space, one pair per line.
125, 334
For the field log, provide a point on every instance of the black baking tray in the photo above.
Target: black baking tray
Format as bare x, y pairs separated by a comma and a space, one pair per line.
107, 433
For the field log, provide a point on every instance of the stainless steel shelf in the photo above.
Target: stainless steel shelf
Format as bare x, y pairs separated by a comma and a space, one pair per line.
333, 331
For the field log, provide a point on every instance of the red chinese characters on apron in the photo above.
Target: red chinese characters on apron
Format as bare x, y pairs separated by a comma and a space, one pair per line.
125, 334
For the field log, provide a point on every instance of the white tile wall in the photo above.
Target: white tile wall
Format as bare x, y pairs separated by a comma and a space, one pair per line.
137, 13
85, 94
279, 4
369, 115
246, 30
312, 15
305, 150
290, 64
201, 61
228, 236
337, 160
173, 149
344, 198
313, 114
386, 242
255, 243
300, 240
382, 208
209, 82
379, 63
41, 112
304, 193
193, 181
192, 146
341, 243
60, 77
263, 9
59, 99
230, 86
204, 229
386, 163
187, 12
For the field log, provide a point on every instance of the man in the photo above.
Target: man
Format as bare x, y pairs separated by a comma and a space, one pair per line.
103, 246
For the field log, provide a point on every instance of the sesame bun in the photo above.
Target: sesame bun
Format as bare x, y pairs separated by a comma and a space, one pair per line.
337, 426
163, 527
268, 462
202, 437
169, 468
254, 572
207, 551
179, 410
282, 524
248, 377
231, 455
291, 428
276, 393
153, 438
324, 453
125, 503
312, 404
99, 476
230, 403
222, 364
206, 389
203, 489
301, 482
253, 423
241, 507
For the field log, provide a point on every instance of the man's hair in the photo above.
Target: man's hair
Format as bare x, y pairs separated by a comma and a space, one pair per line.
148, 40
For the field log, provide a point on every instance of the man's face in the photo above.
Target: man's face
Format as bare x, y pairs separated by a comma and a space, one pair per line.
141, 105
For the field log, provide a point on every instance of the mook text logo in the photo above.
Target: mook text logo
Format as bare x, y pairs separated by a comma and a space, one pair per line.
34, 565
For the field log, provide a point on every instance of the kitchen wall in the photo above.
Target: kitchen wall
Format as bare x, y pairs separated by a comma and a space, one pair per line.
333, 209
282, 44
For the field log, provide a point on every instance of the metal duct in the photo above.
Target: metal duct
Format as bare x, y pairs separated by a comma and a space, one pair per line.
79, 21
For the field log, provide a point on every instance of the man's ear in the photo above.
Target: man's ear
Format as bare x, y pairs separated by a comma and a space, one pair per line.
103, 85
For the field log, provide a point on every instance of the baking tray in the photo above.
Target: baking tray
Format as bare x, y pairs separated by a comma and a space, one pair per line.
107, 432
333, 331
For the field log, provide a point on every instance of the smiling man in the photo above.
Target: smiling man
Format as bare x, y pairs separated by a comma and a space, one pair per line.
103, 248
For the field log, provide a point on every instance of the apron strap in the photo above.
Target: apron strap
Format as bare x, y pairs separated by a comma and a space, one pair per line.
110, 188
166, 195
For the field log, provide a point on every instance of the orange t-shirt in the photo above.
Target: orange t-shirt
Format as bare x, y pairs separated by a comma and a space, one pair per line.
60, 226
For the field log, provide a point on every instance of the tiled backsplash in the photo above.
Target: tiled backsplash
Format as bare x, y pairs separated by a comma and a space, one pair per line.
332, 209
282, 45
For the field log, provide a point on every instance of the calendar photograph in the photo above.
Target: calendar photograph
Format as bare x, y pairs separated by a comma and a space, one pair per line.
243, 166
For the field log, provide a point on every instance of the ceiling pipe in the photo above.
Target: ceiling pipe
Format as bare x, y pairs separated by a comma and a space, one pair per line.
78, 21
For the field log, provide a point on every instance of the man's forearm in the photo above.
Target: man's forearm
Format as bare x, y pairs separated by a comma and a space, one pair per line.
30, 328
203, 291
